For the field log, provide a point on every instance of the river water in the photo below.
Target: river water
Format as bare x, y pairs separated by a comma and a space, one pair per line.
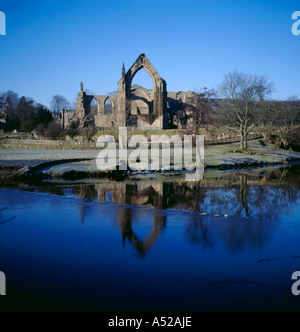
228, 243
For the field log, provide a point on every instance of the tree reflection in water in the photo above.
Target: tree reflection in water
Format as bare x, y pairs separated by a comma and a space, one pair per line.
249, 199
259, 198
264, 198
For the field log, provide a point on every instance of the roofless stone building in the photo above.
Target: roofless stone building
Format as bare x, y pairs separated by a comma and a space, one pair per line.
133, 105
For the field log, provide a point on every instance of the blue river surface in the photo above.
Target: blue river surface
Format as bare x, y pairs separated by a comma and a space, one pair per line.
229, 243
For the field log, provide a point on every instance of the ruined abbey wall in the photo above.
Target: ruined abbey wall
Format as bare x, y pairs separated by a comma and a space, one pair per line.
132, 105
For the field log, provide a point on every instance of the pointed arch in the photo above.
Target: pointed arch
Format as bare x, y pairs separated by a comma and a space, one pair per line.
143, 62
94, 106
150, 74
159, 102
108, 105
142, 246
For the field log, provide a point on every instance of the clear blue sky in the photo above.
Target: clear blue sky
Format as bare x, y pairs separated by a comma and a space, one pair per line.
53, 45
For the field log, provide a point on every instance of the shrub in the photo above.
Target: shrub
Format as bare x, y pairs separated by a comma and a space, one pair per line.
292, 139
54, 130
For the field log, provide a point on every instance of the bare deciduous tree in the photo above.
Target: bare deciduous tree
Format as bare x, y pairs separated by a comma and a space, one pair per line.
89, 132
243, 104
204, 103
286, 116
86, 121
59, 102
281, 119
73, 129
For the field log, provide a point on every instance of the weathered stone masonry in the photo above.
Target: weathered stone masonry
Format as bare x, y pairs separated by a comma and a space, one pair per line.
134, 106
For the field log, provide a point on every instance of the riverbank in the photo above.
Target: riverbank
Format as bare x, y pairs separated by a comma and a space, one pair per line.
80, 164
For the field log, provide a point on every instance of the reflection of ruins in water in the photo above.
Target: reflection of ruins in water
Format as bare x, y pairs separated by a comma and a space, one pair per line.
140, 194
160, 195
125, 226
260, 197
242, 195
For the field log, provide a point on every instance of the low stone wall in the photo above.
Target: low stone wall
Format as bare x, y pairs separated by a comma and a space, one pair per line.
48, 144
73, 145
